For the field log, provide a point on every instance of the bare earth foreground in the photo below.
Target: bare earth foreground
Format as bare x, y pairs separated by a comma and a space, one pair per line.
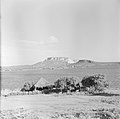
60, 106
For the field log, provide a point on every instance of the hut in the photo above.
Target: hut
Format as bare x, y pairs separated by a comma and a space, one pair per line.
42, 84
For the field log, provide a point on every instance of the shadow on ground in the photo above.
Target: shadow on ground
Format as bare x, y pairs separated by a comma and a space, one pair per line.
105, 94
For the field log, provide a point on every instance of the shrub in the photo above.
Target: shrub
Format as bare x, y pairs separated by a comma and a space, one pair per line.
112, 113
67, 82
95, 83
28, 87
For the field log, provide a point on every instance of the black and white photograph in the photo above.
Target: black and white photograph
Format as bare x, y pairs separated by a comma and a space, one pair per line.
60, 59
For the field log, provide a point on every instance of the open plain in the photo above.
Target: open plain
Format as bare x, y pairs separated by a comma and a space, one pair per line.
16, 78
60, 106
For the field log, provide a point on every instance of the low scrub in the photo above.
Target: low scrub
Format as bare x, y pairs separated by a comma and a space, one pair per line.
107, 113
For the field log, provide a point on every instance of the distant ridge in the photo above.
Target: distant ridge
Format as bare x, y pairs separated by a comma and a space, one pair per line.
59, 63
85, 61
56, 60
54, 63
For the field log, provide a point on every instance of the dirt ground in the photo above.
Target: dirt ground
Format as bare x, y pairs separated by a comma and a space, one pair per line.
59, 106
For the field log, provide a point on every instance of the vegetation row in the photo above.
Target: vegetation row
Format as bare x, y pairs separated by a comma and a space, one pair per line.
92, 84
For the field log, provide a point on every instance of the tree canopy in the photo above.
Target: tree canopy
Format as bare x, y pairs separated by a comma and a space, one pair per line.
95, 83
66, 82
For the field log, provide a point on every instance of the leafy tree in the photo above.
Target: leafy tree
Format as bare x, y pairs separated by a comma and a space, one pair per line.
67, 82
95, 83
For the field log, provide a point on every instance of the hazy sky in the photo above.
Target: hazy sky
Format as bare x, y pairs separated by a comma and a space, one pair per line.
82, 29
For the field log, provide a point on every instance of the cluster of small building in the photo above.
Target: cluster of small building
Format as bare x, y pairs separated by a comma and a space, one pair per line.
66, 84
89, 84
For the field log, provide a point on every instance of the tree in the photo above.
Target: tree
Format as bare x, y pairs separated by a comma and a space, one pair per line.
67, 83
28, 87
95, 83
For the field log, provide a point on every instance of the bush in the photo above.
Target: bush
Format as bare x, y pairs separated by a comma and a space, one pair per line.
112, 113
67, 82
95, 83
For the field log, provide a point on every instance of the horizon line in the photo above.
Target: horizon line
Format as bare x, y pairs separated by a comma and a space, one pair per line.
58, 57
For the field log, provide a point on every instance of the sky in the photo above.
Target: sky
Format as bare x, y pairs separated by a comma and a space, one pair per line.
32, 30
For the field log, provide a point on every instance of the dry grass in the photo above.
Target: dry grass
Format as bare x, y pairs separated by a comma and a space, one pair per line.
94, 114
60, 106
16, 79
